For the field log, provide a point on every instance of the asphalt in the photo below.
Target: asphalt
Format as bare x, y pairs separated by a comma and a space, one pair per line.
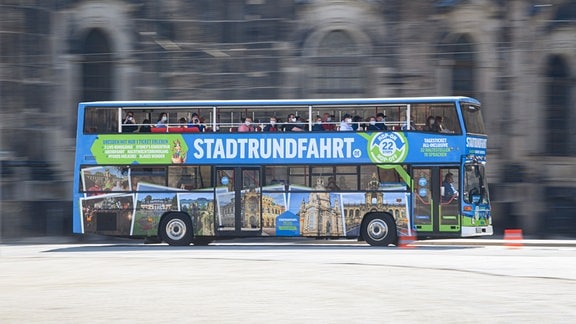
491, 241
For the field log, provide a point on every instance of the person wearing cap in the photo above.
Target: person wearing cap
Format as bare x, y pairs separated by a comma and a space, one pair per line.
346, 123
380, 122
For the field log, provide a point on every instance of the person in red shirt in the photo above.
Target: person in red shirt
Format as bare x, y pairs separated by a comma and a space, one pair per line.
246, 125
328, 122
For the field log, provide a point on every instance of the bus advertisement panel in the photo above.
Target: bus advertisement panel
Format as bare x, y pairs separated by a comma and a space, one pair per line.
260, 149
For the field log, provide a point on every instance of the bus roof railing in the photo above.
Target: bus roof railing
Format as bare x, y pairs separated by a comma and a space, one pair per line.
277, 102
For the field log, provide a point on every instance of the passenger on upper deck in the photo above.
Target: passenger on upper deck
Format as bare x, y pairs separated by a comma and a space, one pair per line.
196, 123
381, 122
271, 127
182, 123
439, 122
346, 123
372, 124
145, 127
129, 125
357, 124
328, 122
404, 124
291, 125
318, 126
246, 125
162, 120
429, 126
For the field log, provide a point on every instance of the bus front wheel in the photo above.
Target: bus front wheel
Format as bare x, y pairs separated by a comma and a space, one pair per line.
176, 229
379, 230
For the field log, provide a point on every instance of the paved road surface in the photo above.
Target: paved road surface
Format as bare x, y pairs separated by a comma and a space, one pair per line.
285, 282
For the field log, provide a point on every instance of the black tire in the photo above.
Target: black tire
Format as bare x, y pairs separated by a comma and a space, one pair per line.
176, 229
379, 230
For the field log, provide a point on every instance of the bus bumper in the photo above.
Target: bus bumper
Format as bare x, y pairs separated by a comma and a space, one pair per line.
468, 231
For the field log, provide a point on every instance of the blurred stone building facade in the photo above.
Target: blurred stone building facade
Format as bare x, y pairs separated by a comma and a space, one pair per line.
518, 57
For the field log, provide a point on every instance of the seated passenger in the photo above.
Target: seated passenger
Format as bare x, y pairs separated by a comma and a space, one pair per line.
346, 124
404, 124
246, 125
328, 122
357, 124
291, 125
162, 120
145, 127
271, 127
429, 126
381, 121
129, 125
182, 123
196, 123
448, 184
318, 126
372, 124
439, 122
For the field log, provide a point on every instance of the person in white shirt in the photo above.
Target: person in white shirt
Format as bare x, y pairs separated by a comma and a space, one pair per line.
346, 124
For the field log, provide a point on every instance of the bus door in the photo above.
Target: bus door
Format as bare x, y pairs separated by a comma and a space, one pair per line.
436, 202
238, 201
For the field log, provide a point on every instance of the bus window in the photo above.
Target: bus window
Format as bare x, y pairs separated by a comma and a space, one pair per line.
449, 117
449, 189
100, 120
147, 178
298, 176
473, 119
186, 177
475, 188
275, 175
444, 112
390, 178
336, 178
251, 179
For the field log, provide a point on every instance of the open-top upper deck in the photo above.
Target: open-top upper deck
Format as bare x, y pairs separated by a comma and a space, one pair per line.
210, 132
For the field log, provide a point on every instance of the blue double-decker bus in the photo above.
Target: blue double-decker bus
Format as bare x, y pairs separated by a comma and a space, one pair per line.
376, 169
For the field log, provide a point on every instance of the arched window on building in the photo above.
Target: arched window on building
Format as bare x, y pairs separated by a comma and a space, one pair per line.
464, 66
557, 98
96, 67
336, 70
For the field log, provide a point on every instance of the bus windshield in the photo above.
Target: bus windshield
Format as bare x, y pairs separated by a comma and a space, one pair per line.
475, 187
473, 119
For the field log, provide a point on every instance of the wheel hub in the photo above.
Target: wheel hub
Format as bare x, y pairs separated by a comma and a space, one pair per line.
377, 229
176, 229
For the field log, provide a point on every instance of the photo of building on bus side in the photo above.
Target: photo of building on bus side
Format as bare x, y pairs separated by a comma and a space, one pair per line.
404, 167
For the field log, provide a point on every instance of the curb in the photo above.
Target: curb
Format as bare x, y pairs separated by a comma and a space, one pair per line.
497, 242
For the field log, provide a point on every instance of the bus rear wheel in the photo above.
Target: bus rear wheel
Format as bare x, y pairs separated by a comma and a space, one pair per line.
176, 229
379, 230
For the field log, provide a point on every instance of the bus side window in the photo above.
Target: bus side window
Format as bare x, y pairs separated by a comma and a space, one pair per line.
101, 120
147, 178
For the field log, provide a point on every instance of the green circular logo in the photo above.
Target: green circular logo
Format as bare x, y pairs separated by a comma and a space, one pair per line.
388, 148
